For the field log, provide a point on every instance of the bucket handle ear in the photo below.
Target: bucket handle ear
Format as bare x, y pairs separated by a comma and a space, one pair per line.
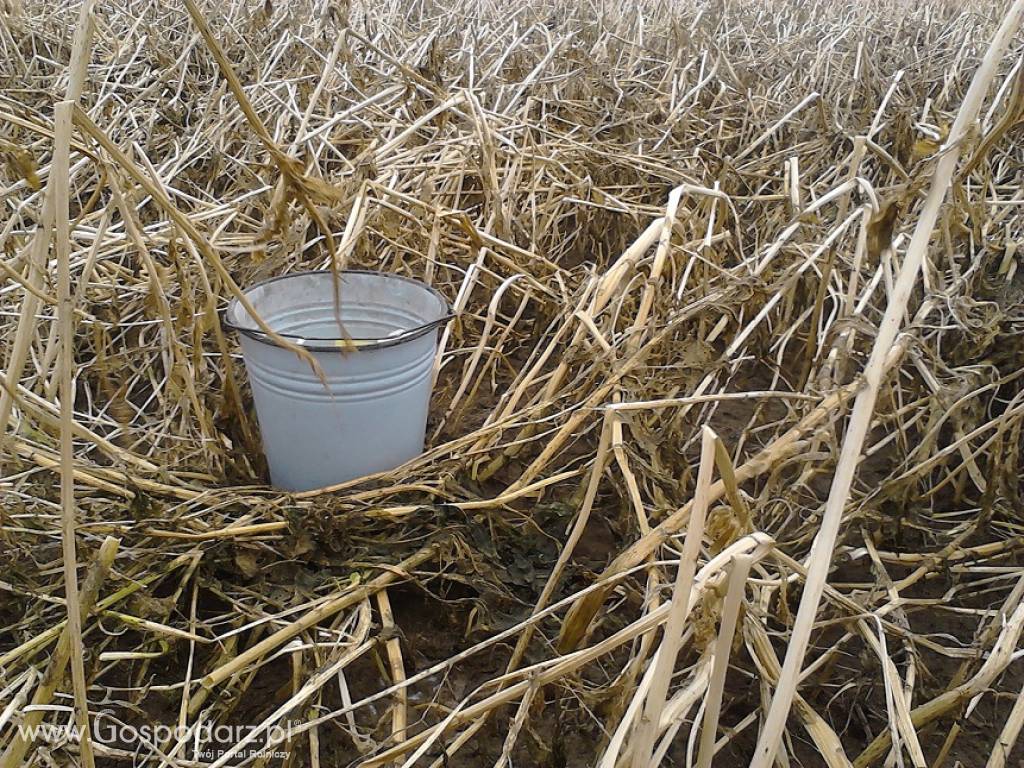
419, 330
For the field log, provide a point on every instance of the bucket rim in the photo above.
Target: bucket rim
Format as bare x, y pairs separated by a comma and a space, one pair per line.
321, 344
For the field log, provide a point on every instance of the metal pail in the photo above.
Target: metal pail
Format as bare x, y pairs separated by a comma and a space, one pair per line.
369, 412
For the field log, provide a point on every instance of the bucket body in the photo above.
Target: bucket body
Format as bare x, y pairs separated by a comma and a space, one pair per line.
369, 411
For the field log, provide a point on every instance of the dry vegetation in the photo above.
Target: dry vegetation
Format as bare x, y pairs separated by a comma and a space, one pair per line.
677, 234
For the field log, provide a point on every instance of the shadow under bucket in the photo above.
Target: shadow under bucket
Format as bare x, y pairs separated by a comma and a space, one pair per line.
372, 414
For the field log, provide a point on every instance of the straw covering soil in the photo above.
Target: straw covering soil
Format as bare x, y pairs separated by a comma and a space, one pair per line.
670, 231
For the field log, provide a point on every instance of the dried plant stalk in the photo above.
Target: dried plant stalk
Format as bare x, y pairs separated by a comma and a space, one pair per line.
657, 223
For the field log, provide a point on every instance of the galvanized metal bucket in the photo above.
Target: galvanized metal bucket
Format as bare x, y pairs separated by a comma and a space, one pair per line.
369, 412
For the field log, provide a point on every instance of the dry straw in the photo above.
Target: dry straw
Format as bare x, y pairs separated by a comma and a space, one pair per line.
725, 454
